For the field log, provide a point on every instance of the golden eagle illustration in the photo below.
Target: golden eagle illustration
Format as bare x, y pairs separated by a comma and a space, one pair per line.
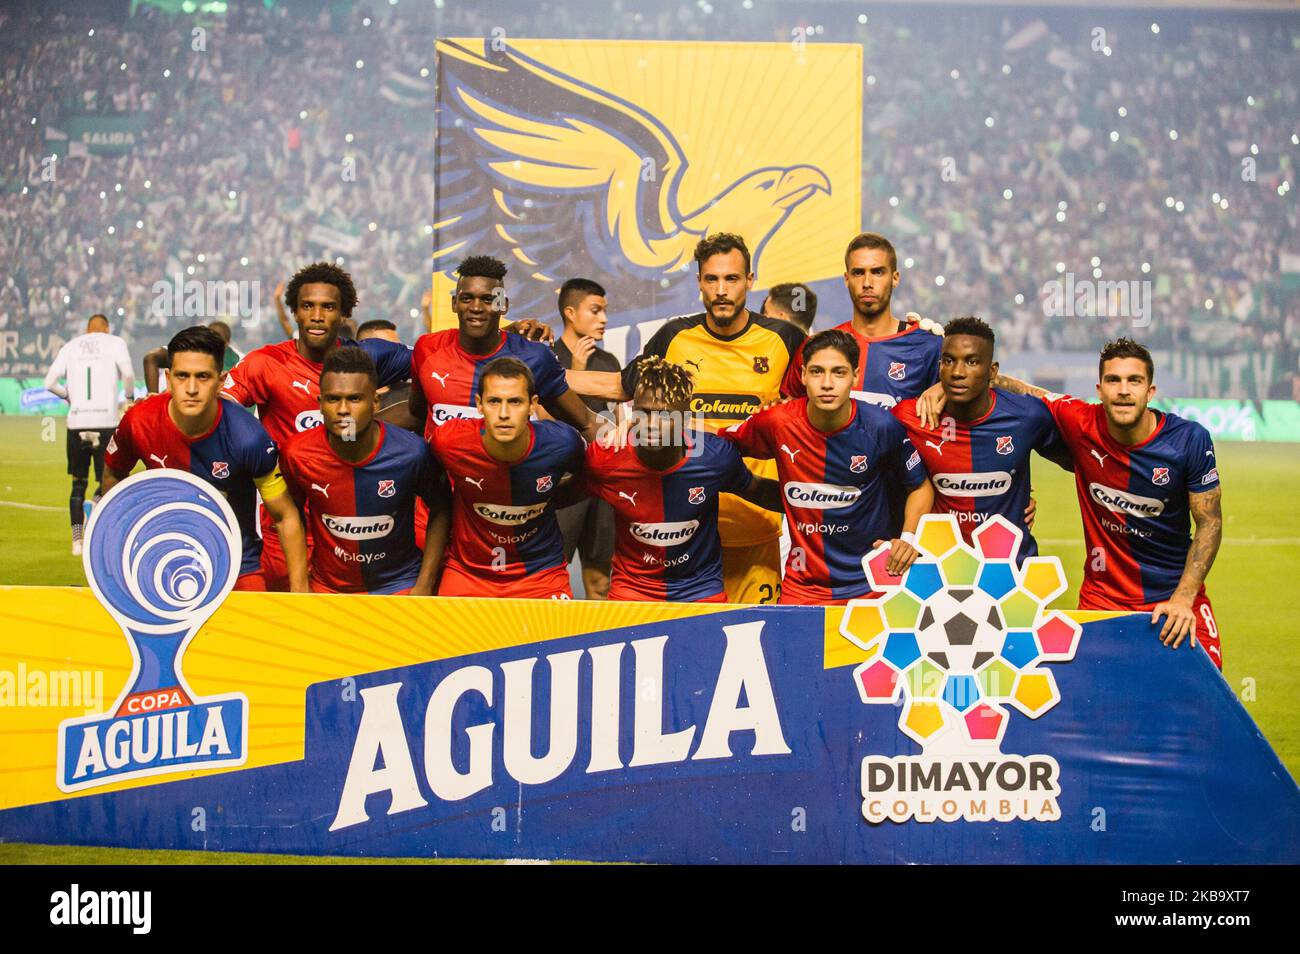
551, 173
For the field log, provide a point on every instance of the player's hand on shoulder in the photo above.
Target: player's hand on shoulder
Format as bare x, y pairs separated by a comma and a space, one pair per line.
531, 329
930, 405
613, 436
1180, 620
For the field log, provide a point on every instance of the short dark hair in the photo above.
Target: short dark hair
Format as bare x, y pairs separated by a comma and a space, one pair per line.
969, 325
375, 324
841, 341
199, 339
506, 367
482, 266
221, 328
720, 243
575, 290
103, 318
350, 359
1126, 348
872, 240
783, 296
322, 273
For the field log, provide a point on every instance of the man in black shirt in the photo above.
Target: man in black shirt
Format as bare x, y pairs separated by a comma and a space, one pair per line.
588, 527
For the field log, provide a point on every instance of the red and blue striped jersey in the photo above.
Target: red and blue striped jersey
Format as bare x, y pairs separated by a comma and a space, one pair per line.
362, 515
891, 368
834, 489
448, 375
284, 385
982, 468
234, 453
502, 527
1133, 500
666, 543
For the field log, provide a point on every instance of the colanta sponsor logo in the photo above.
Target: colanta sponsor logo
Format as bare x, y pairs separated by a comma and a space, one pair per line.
358, 528
307, 420
665, 534
442, 413
733, 406
507, 515
819, 496
1121, 501
986, 484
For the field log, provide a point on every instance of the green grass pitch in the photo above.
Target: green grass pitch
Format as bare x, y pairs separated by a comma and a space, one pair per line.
1257, 566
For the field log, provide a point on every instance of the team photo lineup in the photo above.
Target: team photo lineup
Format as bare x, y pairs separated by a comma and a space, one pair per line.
740, 458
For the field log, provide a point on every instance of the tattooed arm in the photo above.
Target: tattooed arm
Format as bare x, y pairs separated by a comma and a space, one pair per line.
1181, 621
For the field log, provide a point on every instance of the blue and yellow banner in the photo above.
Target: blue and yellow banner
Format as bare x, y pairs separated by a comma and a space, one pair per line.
610, 160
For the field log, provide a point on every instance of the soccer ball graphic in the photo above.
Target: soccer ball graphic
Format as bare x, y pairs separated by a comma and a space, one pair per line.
960, 629
959, 639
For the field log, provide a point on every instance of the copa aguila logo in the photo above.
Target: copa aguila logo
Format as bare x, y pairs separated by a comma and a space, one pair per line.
161, 554
957, 642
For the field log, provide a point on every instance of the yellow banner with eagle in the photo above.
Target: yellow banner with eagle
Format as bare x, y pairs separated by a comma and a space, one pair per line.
610, 160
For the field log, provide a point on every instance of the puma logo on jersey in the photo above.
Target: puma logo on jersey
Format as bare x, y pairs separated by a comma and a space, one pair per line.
630, 498
162, 461
938, 448
442, 378
791, 453
477, 483
304, 385
324, 491
695, 364
1101, 458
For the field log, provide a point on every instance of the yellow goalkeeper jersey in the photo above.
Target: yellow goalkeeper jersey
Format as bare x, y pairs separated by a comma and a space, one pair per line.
734, 376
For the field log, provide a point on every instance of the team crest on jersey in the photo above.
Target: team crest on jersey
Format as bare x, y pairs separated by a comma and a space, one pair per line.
387, 488
897, 370
1005, 445
696, 495
761, 364
858, 463
544, 483
220, 470
1160, 476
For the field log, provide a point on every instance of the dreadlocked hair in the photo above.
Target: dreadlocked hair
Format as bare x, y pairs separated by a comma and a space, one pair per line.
672, 382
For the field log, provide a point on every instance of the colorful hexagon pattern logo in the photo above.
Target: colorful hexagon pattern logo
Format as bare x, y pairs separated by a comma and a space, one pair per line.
961, 637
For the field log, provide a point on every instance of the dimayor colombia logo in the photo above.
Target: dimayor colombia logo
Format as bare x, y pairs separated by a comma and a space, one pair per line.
958, 641
161, 554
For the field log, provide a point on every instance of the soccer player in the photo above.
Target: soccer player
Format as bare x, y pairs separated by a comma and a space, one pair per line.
447, 365
836, 456
93, 365
900, 359
737, 359
378, 328
1140, 475
588, 525
155, 362
360, 478
792, 301
978, 460
664, 485
190, 427
505, 470
283, 379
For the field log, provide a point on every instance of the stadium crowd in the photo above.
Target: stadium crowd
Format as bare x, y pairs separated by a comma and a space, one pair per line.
263, 150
